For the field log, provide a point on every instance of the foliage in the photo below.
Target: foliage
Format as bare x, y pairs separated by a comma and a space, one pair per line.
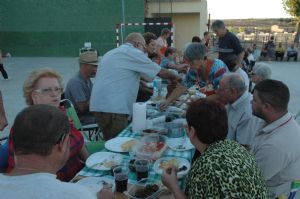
292, 7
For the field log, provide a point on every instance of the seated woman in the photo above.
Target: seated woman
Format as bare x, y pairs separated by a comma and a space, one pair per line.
204, 73
44, 86
279, 52
225, 169
261, 71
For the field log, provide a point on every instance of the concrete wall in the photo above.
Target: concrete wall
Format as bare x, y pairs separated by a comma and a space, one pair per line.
188, 16
60, 27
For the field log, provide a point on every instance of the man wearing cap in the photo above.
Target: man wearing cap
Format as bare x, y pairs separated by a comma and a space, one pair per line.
79, 88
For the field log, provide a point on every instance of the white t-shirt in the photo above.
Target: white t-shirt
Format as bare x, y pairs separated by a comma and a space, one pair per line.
40, 186
117, 80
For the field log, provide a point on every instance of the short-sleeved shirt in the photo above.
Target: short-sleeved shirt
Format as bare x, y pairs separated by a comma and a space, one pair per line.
239, 116
117, 81
41, 185
277, 151
225, 170
217, 69
229, 44
165, 62
79, 90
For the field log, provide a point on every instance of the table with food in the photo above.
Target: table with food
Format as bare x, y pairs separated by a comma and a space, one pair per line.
145, 154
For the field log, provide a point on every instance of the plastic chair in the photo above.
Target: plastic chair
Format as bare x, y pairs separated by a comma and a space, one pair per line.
90, 131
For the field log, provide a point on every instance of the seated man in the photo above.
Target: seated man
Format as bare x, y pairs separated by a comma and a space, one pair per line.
279, 52
292, 51
276, 144
41, 140
233, 91
79, 87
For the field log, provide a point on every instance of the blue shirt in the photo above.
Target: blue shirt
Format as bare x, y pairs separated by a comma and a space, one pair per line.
117, 80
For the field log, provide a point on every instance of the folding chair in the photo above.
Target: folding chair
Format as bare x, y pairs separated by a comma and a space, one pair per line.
90, 131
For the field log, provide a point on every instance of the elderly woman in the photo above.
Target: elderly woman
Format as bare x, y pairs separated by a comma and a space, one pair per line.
204, 73
44, 86
261, 71
225, 169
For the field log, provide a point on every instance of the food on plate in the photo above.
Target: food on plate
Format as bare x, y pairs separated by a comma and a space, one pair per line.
153, 146
146, 191
109, 164
127, 146
164, 164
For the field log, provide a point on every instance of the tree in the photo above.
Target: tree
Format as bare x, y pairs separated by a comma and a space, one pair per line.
293, 8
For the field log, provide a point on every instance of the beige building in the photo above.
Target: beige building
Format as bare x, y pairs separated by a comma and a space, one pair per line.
188, 16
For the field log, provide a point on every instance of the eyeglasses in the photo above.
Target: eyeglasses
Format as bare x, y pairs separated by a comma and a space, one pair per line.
49, 91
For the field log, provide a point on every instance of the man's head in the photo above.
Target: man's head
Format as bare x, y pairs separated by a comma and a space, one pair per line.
270, 97
170, 53
218, 27
88, 62
150, 42
206, 35
261, 71
137, 40
231, 62
196, 39
231, 87
42, 130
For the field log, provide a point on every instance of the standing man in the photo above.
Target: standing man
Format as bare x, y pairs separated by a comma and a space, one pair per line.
3, 120
276, 145
233, 91
117, 83
2, 70
79, 88
228, 42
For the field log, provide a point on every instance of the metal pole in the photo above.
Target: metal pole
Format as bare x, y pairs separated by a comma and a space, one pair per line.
123, 19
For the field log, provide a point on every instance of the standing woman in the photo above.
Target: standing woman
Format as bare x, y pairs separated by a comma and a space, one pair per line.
2, 70
44, 86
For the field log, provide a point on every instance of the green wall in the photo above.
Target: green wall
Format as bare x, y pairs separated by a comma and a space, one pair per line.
60, 27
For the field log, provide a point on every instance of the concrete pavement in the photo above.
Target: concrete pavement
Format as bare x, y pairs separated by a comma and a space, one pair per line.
18, 69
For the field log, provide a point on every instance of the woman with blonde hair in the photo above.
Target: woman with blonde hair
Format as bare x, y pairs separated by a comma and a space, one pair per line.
45, 86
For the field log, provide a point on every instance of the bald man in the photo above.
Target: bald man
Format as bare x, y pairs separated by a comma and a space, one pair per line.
117, 83
233, 91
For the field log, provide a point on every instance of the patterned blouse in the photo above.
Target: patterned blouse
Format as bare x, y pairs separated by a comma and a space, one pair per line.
217, 69
226, 170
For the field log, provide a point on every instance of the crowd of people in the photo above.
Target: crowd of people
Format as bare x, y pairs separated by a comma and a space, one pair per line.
246, 142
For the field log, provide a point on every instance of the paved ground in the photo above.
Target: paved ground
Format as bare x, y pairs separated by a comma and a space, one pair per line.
18, 69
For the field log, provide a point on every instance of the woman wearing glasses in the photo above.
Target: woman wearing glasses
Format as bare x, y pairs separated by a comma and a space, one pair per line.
44, 86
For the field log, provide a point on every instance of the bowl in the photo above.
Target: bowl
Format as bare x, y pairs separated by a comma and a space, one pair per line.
151, 147
146, 188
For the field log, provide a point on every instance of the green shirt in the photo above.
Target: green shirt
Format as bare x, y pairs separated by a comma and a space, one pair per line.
226, 170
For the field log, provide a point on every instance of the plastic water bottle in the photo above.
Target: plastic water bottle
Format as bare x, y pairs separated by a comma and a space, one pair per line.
157, 86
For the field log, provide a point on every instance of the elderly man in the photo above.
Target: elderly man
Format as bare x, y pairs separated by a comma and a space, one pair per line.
41, 140
232, 90
228, 42
292, 51
117, 82
79, 87
276, 144
3, 120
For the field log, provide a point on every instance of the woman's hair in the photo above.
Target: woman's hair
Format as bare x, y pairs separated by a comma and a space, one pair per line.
195, 51
165, 31
148, 36
262, 70
209, 119
30, 83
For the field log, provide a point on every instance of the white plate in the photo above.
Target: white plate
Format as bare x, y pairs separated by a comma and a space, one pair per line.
97, 160
180, 144
116, 143
95, 184
180, 161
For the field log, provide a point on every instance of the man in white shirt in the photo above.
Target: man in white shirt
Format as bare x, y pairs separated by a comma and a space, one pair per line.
276, 145
232, 90
117, 83
41, 142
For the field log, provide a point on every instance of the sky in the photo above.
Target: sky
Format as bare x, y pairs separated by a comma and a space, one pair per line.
244, 9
